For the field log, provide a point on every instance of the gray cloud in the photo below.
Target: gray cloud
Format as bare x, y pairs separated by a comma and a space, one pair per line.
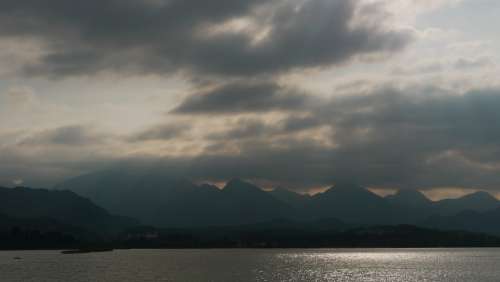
299, 123
433, 67
426, 68
466, 63
255, 128
420, 138
407, 138
161, 132
399, 137
73, 135
245, 128
164, 36
240, 97
43, 158
44, 168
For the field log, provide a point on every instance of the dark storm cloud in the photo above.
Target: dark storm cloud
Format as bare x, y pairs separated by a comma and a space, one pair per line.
254, 128
297, 123
242, 97
407, 138
469, 120
245, 128
161, 132
318, 33
73, 135
50, 155
45, 167
167, 35
411, 138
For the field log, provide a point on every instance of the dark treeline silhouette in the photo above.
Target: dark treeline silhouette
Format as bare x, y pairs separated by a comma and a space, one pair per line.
304, 236
37, 233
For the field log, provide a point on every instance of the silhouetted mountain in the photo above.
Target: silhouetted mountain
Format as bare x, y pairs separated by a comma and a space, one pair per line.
412, 205
249, 203
137, 192
410, 198
150, 195
352, 203
296, 200
209, 187
43, 211
65, 206
486, 222
479, 201
160, 199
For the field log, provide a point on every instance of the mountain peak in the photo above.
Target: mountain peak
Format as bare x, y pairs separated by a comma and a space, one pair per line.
241, 186
282, 190
481, 196
478, 201
236, 181
347, 185
411, 198
291, 198
209, 187
409, 194
347, 188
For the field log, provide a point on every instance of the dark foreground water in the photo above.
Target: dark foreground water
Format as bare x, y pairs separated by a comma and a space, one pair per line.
253, 265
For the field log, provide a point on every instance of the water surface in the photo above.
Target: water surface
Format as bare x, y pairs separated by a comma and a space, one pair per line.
253, 265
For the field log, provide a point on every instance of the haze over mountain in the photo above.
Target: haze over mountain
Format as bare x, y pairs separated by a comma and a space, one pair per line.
162, 200
168, 201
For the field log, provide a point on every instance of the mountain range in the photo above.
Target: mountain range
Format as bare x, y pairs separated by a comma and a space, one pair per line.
49, 210
101, 208
163, 200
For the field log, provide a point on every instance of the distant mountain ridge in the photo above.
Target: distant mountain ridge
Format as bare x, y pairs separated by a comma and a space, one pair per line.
352, 203
163, 200
50, 210
249, 203
298, 201
478, 201
410, 198
475, 221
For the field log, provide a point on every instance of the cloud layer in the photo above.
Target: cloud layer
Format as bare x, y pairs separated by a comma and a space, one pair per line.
297, 93
390, 137
217, 37
406, 138
241, 97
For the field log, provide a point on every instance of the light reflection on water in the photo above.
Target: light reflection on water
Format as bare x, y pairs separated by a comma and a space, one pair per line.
254, 265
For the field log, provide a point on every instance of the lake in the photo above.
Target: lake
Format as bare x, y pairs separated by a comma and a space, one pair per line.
253, 265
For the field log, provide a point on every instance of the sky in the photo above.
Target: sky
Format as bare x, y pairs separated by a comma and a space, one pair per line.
392, 94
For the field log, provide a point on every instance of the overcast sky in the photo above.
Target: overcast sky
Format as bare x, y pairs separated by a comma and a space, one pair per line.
296, 93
